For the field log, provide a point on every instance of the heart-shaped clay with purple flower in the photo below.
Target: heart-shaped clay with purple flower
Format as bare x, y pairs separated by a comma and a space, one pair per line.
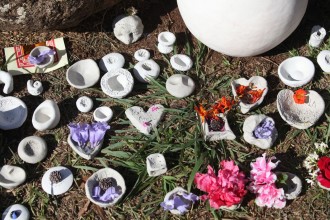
145, 121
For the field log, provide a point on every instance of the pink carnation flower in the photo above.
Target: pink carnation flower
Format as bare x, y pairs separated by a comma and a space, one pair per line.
226, 189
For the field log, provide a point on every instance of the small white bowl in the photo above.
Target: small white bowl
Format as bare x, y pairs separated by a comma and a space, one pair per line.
166, 38
296, 71
13, 113
180, 86
164, 49
32, 149
141, 55
11, 176
323, 59
84, 104
103, 114
22, 213
60, 187
83, 74
49, 59
156, 164
146, 69
111, 61
181, 62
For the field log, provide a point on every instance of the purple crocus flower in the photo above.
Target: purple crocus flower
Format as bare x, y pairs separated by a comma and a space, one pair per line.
179, 202
265, 129
97, 132
41, 57
79, 133
108, 196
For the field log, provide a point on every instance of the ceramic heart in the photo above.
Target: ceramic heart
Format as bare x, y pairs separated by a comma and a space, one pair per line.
145, 121
301, 116
258, 82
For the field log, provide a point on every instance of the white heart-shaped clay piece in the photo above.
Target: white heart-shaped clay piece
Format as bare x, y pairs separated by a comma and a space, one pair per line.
145, 121
258, 83
300, 116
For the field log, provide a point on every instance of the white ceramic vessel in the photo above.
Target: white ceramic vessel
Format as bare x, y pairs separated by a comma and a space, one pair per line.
117, 83
7, 79
181, 62
317, 36
118, 183
32, 149
323, 59
296, 71
300, 116
258, 83
146, 69
103, 114
111, 61
177, 191
145, 121
227, 133
57, 188
48, 58
166, 38
164, 49
180, 85
156, 164
84, 104
83, 74
249, 126
13, 113
293, 185
242, 28
11, 176
87, 156
127, 29
34, 87
141, 55
46, 116
17, 212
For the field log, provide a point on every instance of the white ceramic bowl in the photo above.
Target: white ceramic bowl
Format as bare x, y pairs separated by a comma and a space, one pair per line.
166, 38
83, 74
48, 60
13, 113
103, 114
296, 71
60, 187
32, 149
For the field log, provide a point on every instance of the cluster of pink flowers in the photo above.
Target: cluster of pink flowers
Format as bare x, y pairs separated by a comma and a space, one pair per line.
263, 183
226, 189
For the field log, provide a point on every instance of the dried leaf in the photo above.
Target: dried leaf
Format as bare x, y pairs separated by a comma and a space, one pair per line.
84, 209
100, 212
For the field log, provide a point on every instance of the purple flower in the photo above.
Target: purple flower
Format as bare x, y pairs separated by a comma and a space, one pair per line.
41, 57
179, 202
97, 132
108, 196
79, 133
265, 129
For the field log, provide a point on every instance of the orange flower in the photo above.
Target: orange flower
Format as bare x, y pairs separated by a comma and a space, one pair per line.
300, 96
240, 90
255, 95
201, 112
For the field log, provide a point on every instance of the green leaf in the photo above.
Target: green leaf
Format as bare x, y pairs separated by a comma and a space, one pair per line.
194, 171
118, 154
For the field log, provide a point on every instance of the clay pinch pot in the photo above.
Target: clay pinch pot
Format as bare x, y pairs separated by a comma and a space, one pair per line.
118, 183
225, 133
42, 56
259, 83
32, 149
88, 156
300, 116
156, 164
293, 185
13, 112
11, 176
16, 211
83, 74
250, 125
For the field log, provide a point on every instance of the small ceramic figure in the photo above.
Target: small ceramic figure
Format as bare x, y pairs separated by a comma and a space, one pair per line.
181, 62
34, 88
296, 71
128, 28
141, 55
32, 149
112, 61
13, 113
11, 176
300, 116
156, 164
117, 83
166, 42
145, 121
83, 74
103, 114
323, 59
180, 86
46, 116
253, 92
17, 212
213, 135
7, 79
84, 104
105, 187
146, 69
317, 36
57, 180
41, 56
260, 130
